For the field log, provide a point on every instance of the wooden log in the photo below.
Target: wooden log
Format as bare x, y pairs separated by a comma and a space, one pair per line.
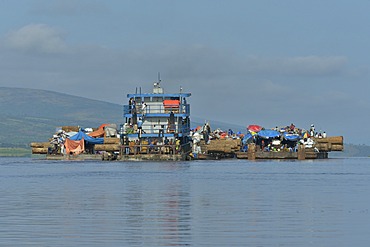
132, 147
251, 151
241, 155
144, 147
39, 150
70, 128
301, 152
321, 140
107, 147
112, 140
251, 156
40, 144
330, 139
335, 139
223, 145
311, 155
337, 147
324, 147
276, 155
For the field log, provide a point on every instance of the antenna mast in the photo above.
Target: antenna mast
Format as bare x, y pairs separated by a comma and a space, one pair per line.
157, 88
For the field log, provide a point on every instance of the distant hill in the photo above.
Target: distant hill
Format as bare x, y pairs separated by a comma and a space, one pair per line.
196, 121
352, 150
30, 115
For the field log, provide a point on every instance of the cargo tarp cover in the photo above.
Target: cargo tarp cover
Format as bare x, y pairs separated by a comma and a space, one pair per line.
81, 135
248, 138
99, 132
171, 103
291, 137
74, 147
110, 130
268, 134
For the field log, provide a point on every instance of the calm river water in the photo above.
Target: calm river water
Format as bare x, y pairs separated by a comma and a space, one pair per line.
198, 203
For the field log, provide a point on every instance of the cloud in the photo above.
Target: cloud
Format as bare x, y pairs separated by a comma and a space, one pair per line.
207, 62
37, 38
68, 8
269, 92
297, 66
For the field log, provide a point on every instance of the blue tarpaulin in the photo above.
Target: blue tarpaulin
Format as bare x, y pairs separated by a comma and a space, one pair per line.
268, 134
247, 139
87, 138
292, 137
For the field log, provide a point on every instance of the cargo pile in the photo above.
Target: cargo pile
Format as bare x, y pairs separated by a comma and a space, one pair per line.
74, 140
328, 144
111, 144
280, 142
218, 142
224, 145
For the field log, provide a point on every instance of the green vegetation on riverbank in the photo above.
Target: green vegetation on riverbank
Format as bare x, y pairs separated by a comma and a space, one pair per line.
15, 152
31, 115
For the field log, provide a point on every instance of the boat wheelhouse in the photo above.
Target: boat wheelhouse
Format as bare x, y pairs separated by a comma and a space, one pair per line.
157, 126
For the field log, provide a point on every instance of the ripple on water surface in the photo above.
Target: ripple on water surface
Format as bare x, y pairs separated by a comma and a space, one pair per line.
215, 203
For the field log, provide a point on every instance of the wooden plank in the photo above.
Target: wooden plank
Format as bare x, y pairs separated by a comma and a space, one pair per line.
337, 147
39, 144
330, 139
112, 140
324, 147
107, 147
223, 145
276, 155
39, 150
241, 155
70, 128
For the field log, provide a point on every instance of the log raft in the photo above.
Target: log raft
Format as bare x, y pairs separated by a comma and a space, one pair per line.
334, 143
39, 147
219, 148
319, 151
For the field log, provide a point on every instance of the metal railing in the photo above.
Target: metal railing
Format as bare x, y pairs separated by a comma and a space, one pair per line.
156, 109
154, 149
167, 129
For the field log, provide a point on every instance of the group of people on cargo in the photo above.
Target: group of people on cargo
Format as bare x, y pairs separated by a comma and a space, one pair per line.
152, 146
267, 144
280, 143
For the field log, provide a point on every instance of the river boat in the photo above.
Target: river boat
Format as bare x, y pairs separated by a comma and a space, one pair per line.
157, 126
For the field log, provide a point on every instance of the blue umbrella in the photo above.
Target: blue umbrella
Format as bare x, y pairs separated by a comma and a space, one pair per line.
268, 134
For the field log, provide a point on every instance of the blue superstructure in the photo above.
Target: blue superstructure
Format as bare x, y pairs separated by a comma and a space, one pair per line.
157, 117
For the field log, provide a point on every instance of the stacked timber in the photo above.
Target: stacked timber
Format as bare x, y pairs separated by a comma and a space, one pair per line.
203, 146
225, 145
107, 147
39, 147
328, 144
70, 128
110, 145
112, 140
241, 155
251, 151
308, 153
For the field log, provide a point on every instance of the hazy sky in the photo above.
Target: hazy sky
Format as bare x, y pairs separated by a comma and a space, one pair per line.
245, 62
